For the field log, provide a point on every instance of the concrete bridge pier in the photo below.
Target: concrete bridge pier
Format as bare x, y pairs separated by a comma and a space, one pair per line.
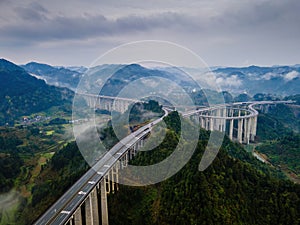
124, 161
240, 130
254, 127
206, 124
231, 129
78, 217
211, 124
202, 122
91, 208
107, 180
245, 131
104, 210
112, 179
117, 168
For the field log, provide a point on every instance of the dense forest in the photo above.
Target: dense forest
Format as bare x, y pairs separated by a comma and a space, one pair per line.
235, 189
283, 151
280, 120
230, 191
22, 94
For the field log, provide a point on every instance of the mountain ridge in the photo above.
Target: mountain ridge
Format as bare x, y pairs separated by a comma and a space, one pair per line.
281, 80
23, 94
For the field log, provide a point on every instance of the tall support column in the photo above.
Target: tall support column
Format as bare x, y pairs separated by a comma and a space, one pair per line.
130, 154
231, 112
251, 121
78, 217
134, 149
245, 130
104, 210
218, 124
223, 126
98, 101
211, 124
217, 121
240, 130
114, 105
124, 108
254, 124
224, 120
117, 174
231, 129
249, 130
107, 179
89, 211
200, 122
112, 179
95, 211
267, 108
124, 161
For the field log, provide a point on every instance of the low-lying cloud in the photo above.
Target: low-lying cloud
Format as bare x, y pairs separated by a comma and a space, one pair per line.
232, 81
291, 75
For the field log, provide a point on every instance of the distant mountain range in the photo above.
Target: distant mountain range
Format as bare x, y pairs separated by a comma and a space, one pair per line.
27, 88
22, 94
277, 80
58, 76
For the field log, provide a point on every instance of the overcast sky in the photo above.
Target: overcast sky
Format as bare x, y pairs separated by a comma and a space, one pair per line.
222, 32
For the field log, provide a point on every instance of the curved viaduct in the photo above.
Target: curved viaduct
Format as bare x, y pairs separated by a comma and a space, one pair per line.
238, 120
86, 201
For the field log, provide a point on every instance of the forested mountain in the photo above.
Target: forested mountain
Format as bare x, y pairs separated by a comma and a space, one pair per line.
22, 94
230, 191
280, 120
277, 80
58, 76
283, 151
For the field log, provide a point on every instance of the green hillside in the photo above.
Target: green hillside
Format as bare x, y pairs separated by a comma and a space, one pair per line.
230, 191
22, 94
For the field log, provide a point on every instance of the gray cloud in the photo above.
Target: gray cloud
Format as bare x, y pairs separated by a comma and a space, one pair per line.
4, 2
62, 27
227, 32
268, 17
33, 12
